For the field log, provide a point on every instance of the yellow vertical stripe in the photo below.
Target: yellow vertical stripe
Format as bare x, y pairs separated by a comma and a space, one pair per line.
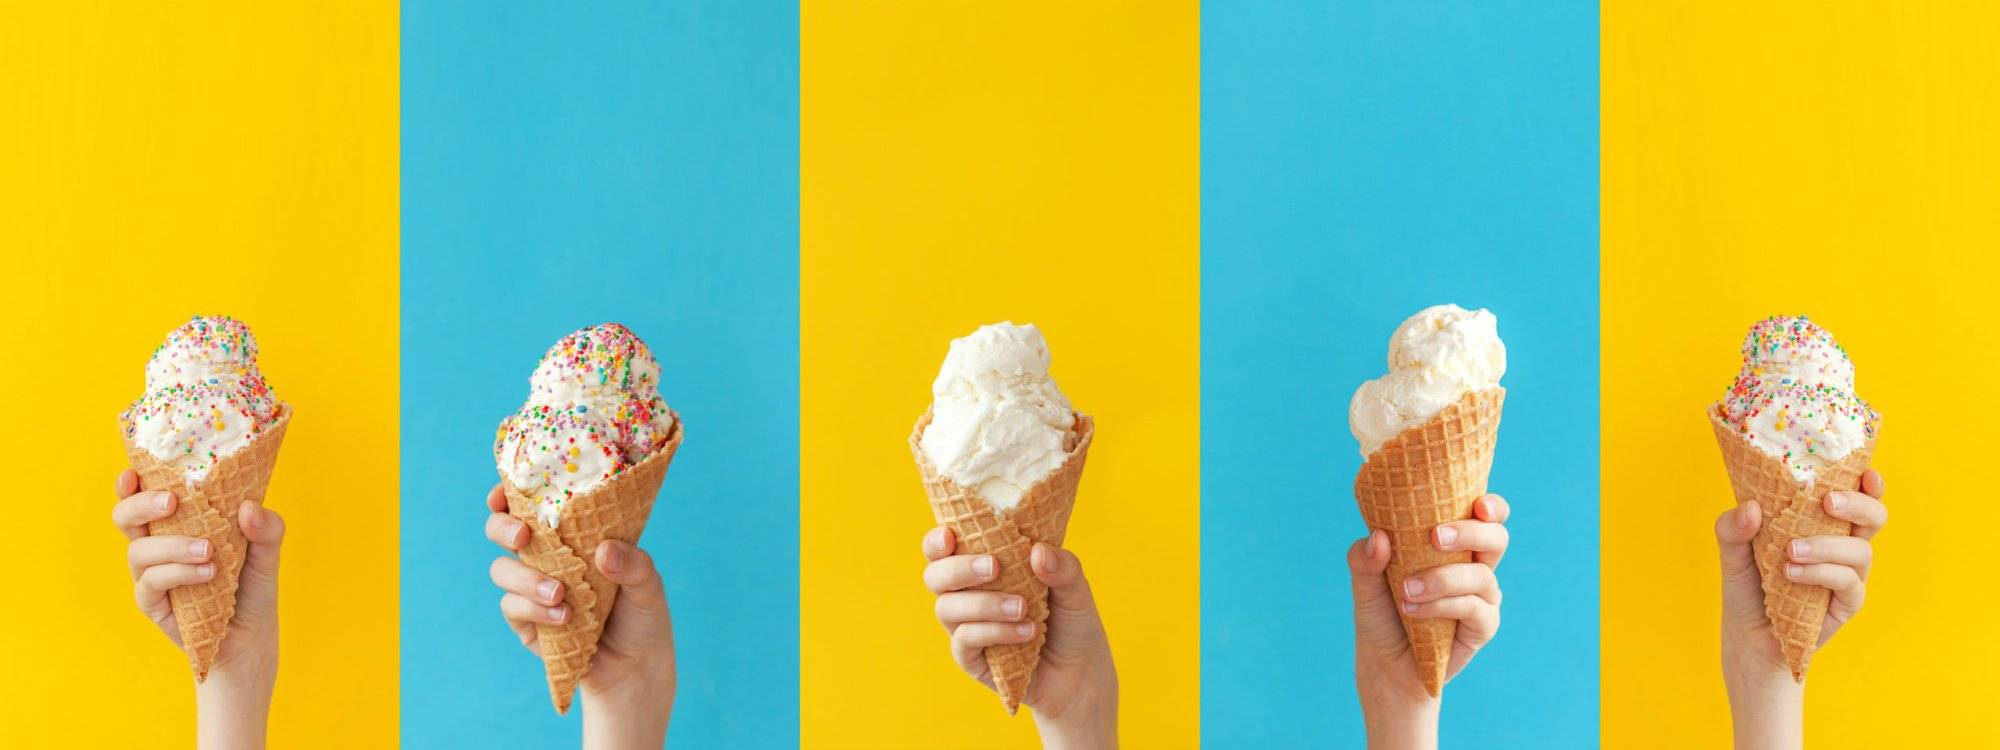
964, 164
156, 161
1836, 160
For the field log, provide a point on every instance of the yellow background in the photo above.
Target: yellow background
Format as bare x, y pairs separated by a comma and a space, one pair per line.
1833, 159
963, 164
156, 162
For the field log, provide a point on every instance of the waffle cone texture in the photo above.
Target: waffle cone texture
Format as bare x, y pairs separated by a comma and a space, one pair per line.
1009, 536
1428, 475
1791, 510
208, 509
616, 509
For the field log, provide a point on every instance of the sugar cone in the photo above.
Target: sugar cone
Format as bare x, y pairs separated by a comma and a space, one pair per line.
1041, 516
208, 509
1791, 510
615, 510
1428, 475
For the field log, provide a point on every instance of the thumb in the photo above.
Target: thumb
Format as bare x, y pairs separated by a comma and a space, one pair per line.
639, 585
1073, 621
1375, 619
1742, 588
257, 590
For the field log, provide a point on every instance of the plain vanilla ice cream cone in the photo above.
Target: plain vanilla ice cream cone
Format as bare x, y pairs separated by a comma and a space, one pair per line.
1791, 430
1041, 516
1427, 431
1428, 475
616, 509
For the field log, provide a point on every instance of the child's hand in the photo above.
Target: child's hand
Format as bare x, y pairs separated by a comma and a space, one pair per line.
1399, 712
629, 692
1764, 699
1075, 689
232, 705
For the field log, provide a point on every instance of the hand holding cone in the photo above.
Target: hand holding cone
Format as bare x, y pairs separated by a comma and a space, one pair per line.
1041, 516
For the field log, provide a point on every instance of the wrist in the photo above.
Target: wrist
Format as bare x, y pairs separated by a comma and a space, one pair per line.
633, 714
1766, 706
233, 706
1088, 723
1396, 717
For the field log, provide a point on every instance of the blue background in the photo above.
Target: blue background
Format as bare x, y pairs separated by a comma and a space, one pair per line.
567, 164
1361, 161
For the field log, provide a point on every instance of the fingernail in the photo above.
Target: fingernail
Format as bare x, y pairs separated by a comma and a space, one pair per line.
256, 518
160, 501
1743, 517
1410, 608
1836, 501
558, 613
1800, 548
983, 566
1793, 571
1025, 630
1446, 535
198, 548
934, 539
614, 562
205, 571
547, 590
1413, 586
1011, 607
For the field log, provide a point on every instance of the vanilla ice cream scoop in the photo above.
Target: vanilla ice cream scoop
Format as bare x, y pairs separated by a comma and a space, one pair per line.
998, 422
593, 410
1435, 358
1794, 398
204, 399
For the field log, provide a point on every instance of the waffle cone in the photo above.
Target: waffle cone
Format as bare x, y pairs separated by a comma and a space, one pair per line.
1428, 475
617, 510
1791, 510
1041, 516
208, 509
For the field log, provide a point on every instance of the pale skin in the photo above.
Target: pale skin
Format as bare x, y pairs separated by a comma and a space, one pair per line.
233, 705
1397, 710
1766, 705
1074, 692
628, 694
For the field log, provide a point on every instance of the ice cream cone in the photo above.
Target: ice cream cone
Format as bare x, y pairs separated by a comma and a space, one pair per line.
1009, 536
208, 509
1791, 510
616, 509
1428, 475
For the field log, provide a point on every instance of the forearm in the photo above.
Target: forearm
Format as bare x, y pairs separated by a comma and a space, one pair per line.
1090, 726
233, 706
1766, 707
628, 719
1399, 723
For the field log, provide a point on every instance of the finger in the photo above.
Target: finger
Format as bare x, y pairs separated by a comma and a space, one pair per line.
515, 577
1456, 579
1487, 541
496, 499
126, 484
133, 513
1063, 573
1853, 552
985, 634
156, 581
265, 530
1871, 484
1742, 588
507, 531
632, 569
1868, 514
518, 608
959, 572
938, 543
148, 551
1843, 581
960, 607
1465, 607
1374, 606
1492, 509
